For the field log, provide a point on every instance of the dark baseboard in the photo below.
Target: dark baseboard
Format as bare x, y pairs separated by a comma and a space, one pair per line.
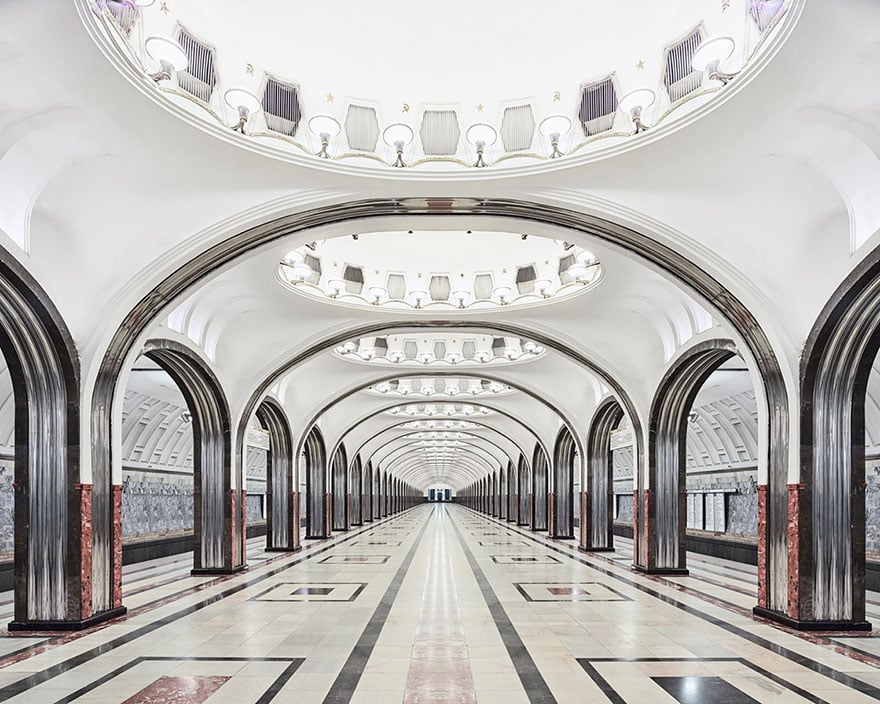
800, 625
197, 571
34, 626
589, 549
682, 572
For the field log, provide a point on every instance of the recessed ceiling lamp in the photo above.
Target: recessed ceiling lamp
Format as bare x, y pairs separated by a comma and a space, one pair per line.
398, 136
169, 54
544, 287
553, 128
481, 136
502, 293
426, 357
483, 356
634, 103
418, 296
245, 102
710, 54
298, 268
461, 296
336, 287
378, 293
326, 128
454, 358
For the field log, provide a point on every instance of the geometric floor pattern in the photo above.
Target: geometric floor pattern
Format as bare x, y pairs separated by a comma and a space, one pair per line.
445, 612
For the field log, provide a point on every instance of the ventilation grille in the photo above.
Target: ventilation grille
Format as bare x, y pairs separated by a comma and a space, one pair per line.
498, 346
282, 106
680, 78
200, 75
517, 128
439, 288
483, 287
439, 132
354, 278
396, 286
468, 349
525, 278
598, 106
410, 349
439, 349
361, 128
381, 346
765, 12
126, 15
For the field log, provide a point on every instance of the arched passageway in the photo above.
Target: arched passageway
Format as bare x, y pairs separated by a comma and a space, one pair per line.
282, 498
540, 482
341, 511
317, 496
561, 495
597, 500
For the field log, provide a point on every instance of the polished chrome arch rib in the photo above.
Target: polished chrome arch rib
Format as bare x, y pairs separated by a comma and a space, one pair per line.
282, 519
665, 513
830, 497
597, 522
217, 547
560, 506
52, 510
317, 497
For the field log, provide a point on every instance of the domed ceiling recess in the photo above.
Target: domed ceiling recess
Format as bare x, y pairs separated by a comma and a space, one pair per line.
425, 387
440, 350
432, 271
465, 84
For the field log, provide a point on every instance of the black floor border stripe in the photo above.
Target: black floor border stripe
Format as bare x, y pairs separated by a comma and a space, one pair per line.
15, 688
795, 657
342, 689
532, 681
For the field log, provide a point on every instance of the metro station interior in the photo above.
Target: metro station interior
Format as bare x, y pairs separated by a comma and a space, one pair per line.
473, 352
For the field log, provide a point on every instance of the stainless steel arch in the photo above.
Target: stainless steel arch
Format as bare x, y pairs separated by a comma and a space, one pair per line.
216, 510
597, 528
282, 520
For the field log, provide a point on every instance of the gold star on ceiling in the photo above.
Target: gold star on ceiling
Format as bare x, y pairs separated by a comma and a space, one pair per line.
164, 8
640, 66
330, 97
480, 107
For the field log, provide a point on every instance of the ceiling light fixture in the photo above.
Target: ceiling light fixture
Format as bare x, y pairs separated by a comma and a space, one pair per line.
245, 102
483, 356
426, 357
169, 54
553, 128
710, 54
418, 296
543, 286
454, 357
461, 296
634, 103
481, 136
378, 293
336, 286
502, 293
326, 128
398, 136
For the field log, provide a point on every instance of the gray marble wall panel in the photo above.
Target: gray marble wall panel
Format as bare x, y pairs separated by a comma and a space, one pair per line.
624, 507
872, 509
7, 472
154, 504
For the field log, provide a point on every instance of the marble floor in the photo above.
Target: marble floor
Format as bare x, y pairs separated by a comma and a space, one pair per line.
439, 604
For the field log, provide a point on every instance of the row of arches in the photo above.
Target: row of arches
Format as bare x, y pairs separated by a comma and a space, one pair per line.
811, 519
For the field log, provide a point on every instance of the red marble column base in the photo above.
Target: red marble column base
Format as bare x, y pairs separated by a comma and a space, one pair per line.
85, 513
328, 514
243, 540
762, 546
117, 546
551, 515
794, 500
585, 520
